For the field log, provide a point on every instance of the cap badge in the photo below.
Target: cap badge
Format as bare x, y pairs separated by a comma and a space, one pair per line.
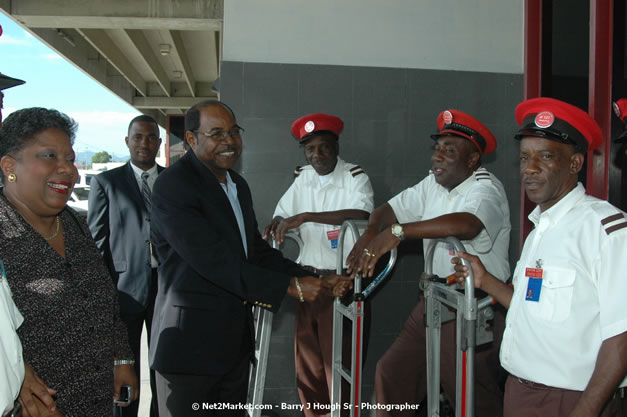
447, 116
616, 109
544, 119
310, 126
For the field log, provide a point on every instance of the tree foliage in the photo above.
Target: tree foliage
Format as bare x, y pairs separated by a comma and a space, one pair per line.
101, 157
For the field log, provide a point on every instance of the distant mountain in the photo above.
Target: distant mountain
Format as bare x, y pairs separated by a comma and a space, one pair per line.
84, 158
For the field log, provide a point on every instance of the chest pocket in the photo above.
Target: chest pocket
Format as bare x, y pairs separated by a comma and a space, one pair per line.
556, 295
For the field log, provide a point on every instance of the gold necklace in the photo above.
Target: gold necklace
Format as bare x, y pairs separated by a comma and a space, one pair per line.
55, 233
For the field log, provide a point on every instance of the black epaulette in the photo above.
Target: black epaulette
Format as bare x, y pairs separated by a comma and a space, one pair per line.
614, 222
297, 171
356, 170
483, 175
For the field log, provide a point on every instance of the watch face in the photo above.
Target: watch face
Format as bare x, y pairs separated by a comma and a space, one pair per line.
397, 230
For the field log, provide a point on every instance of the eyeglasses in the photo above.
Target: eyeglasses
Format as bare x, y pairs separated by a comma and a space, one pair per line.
221, 135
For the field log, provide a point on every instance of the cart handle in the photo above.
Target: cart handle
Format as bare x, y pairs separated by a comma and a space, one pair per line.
353, 226
296, 238
470, 312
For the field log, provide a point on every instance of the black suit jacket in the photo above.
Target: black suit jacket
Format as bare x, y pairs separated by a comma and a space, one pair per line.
120, 224
206, 283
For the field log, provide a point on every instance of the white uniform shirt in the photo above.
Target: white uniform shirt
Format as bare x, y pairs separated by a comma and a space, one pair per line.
11, 362
346, 188
582, 249
482, 195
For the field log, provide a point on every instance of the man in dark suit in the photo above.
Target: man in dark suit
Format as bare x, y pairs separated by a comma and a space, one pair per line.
119, 219
214, 266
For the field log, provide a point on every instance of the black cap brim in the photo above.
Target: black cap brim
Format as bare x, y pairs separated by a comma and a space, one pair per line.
8, 82
560, 131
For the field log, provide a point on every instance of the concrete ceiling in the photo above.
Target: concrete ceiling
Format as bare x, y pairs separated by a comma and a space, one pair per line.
160, 56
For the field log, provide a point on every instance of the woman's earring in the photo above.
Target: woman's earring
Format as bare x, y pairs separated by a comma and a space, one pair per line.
12, 177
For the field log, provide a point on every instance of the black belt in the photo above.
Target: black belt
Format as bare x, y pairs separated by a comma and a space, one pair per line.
619, 393
535, 385
320, 272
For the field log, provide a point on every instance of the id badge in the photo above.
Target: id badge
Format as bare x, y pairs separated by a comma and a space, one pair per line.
333, 236
534, 286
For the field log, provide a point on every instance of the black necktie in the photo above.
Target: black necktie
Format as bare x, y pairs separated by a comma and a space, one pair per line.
146, 191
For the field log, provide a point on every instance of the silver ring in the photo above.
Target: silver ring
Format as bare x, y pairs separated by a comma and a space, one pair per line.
367, 252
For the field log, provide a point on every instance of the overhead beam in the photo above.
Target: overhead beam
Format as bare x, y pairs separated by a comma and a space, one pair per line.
100, 22
179, 54
105, 47
118, 14
144, 49
167, 102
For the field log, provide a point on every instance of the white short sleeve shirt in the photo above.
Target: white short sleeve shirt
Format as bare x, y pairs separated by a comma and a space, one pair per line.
347, 187
481, 194
581, 245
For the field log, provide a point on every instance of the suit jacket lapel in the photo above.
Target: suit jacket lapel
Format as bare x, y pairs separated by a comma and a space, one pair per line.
246, 205
215, 190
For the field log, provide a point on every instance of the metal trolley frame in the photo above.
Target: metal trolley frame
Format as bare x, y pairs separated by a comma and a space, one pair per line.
354, 312
263, 331
471, 331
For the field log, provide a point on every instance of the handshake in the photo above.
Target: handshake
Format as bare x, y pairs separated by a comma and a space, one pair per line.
312, 288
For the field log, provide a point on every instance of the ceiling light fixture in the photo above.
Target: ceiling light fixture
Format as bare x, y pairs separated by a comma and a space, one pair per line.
164, 49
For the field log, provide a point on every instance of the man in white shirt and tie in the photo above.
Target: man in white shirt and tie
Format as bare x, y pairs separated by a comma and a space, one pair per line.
119, 219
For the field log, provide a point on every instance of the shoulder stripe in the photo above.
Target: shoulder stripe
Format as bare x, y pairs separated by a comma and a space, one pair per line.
356, 167
297, 171
610, 219
482, 176
355, 173
616, 227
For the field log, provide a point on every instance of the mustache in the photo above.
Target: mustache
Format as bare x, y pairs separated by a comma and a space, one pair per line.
229, 149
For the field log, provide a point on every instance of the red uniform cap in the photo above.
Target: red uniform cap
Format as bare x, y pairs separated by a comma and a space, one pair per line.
620, 108
559, 121
458, 123
306, 126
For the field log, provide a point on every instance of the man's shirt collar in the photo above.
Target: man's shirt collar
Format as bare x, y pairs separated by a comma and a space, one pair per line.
559, 209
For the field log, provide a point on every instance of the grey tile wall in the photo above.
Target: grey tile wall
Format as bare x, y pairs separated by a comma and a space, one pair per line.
388, 114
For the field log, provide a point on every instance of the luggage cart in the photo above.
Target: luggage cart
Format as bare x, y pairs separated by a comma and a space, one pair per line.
471, 331
353, 312
263, 331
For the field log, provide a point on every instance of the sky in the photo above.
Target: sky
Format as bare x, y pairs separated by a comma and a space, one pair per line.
52, 82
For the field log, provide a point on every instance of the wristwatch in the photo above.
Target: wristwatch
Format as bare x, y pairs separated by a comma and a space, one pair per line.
397, 230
